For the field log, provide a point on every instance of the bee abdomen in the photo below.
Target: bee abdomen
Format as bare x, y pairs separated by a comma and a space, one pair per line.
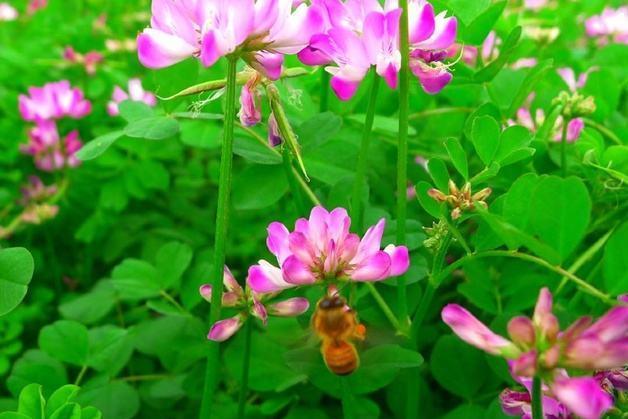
341, 358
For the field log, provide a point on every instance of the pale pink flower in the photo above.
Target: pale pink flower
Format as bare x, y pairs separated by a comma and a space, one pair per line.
35, 191
136, 93
248, 302
7, 12
35, 5
90, 60
250, 113
53, 101
322, 248
274, 137
569, 77
534, 4
609, 26
49, 151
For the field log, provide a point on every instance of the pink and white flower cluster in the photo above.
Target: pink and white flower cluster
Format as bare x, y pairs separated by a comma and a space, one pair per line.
89, 60
43, 106
609, 26
537, 347
8, 12
321, 249
248, 302
135, 93
261, 31
360, 34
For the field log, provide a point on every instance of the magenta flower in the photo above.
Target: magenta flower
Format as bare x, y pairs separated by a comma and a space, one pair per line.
50, 152
35, 191
250, 113
609, 26
53, 101
321, 249
263, 31
431, 36
248, 302
89, 60
274, 137
35, 5
136, 93
7, 12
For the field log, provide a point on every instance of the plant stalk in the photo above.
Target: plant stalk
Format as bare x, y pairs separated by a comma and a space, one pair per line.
324, 105
402, 151
220, 240
537, 398
293, 181
357, 215
563, 149
246, 362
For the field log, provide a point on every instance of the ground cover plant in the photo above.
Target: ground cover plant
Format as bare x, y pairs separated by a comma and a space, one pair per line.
325, 208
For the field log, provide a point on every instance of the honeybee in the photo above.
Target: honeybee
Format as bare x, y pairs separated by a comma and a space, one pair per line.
337, 326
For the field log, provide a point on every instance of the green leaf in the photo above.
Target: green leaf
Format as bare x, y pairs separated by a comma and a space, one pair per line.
467, 10
616, 262
13, 415
458, 367
68, 411
318, 129
135, 280
479, 28
485, 137
65, 340
60, 397
36, 367
383, 124
91, 412
489, 72
259, 187
430, 205
133, 111
153, 128
171, 262
458, 157
98, 146
512, 140
251, 150
560, 213
110, 348
16, 271
438, 171
533, 77
31, 402
200, 133
116, 399
467, 411
90, 307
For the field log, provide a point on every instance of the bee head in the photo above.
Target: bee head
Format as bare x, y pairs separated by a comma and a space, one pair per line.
331, 302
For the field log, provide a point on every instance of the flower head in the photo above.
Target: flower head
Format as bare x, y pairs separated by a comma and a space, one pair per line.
609, 26
35, 191
261, 30
461, 200
49, 150
136, 93
53, 101
89, 60
248, 302
250, 113
7, 12
322, 248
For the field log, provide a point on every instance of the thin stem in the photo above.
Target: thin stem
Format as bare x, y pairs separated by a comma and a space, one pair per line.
402, 150
384, 307
537, 398
430, 287
220, 238
439, 111
584, 286
246, 362
80, 375
295, 188
357, 215
584, 258
324, 105
603, 130
147, 377
563, 150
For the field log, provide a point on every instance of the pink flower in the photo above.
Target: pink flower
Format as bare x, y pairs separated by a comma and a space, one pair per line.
136, 94
274, 137
53, 101
539, 346
583, 396
248, 302
611, 25
250, 113
263, 30
569, 77
7, 12
35, 191
474, 332
35, 5
90, 60
430, 38
49, 151
534, 4
322, 248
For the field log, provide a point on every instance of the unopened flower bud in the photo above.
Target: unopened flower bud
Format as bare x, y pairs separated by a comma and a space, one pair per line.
437, 195
525, 365
482, 195
521, 331
551, 357
274, 137
549, 327
453, 189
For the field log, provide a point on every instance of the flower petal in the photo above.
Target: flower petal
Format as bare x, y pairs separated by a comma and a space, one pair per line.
266, 278
296, 272
583, 396
374, 268
224, 329
399, 259
157, 49
290, 307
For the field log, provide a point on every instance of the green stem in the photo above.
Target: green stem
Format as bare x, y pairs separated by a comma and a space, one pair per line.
603, 130
80, 375
537, 398
384, 307
439, 111
581, 283
584, 258
292, 176
402, 150
324, 105
430, 287
220, 240
563, 149
357, 215
246, 362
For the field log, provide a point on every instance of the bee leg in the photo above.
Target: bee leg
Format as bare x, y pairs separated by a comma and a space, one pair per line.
359, 332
